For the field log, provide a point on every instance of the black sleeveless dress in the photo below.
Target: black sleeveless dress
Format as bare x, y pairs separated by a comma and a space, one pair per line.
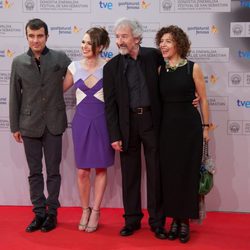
181, 141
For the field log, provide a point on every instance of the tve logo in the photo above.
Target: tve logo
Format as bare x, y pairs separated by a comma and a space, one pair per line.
245, 3
244, 54
245, 104
107, 54
106, 5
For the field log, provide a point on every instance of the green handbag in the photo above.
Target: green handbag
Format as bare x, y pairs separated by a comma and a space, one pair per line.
207, 170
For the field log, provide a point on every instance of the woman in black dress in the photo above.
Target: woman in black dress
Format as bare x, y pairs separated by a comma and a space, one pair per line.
182, 130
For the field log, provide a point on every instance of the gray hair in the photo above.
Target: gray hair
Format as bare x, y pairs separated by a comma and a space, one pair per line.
133, 24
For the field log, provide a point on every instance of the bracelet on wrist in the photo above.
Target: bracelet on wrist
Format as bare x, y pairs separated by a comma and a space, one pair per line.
206, 125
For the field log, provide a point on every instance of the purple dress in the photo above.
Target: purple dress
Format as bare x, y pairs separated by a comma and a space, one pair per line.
90, 135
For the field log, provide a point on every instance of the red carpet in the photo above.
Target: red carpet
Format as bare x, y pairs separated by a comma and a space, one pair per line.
219, 231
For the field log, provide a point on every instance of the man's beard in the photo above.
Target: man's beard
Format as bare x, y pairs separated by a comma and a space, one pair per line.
123, 51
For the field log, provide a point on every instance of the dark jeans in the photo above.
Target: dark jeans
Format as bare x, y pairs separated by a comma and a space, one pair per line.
51, 146
141, 133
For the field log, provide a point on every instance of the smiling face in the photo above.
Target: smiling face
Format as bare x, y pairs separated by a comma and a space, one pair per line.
168, 46
87, 49
36, 40
125, 41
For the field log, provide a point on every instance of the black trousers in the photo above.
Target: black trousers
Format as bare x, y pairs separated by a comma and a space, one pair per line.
141, 133
51, 146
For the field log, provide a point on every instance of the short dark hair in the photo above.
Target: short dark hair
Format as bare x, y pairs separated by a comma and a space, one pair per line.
36, 24
180, 38
99, 37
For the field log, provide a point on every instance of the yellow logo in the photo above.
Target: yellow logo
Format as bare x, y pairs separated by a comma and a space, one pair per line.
76, 29
7, 4
9, 53
214, 29
144, 5
213, 79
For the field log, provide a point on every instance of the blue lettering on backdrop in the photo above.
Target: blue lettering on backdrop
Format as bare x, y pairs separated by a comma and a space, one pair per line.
244, 3
245, 104
107, 54
105, 5
244, 54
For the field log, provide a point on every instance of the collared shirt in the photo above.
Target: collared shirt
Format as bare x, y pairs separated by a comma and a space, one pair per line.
44, 52
138, 89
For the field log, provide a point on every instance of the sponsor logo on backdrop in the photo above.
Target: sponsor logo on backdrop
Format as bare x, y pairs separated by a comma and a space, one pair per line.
218, 103
6, 53
209, 55
234, 127
3, 101
106, 5
244, 54
211, 79
245, 3
239, 127
107, 54
167, 5
73, 53
65, 30
239, 79
243, 103
240, 29
70, 99
149, 29
11, 29
108, 26
203, 30
4, 123
134, 5
63, 6
246, 127
6, 4
235, 80
195, 6
4, 77
29, 5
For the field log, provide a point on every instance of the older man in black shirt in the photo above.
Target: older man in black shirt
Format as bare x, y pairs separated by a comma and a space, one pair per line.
133, 117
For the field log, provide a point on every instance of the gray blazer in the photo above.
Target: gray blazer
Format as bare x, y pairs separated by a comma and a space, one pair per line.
36, 97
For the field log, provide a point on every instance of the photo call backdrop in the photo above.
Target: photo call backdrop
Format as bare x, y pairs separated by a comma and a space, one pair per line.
220, 34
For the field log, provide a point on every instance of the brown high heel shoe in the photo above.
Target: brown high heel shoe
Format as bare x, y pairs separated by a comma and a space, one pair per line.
84, 219
93, 221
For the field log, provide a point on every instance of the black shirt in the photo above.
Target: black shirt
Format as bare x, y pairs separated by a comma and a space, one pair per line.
138, 89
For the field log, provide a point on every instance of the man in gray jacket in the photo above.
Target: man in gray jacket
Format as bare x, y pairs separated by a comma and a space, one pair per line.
38, 119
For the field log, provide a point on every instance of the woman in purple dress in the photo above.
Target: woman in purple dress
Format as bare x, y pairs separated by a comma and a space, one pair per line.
90, 136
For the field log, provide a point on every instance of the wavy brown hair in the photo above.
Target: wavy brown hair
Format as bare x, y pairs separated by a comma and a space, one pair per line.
180, 38
99, 37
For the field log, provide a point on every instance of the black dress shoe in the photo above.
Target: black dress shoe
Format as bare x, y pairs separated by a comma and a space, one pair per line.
174, 230
129, 230
160, 233
184, 233
50, 223
35, 224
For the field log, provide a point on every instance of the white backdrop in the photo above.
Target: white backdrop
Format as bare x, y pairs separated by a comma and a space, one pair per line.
219, 31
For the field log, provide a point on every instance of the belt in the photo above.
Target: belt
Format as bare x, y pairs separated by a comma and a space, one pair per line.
140, 110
